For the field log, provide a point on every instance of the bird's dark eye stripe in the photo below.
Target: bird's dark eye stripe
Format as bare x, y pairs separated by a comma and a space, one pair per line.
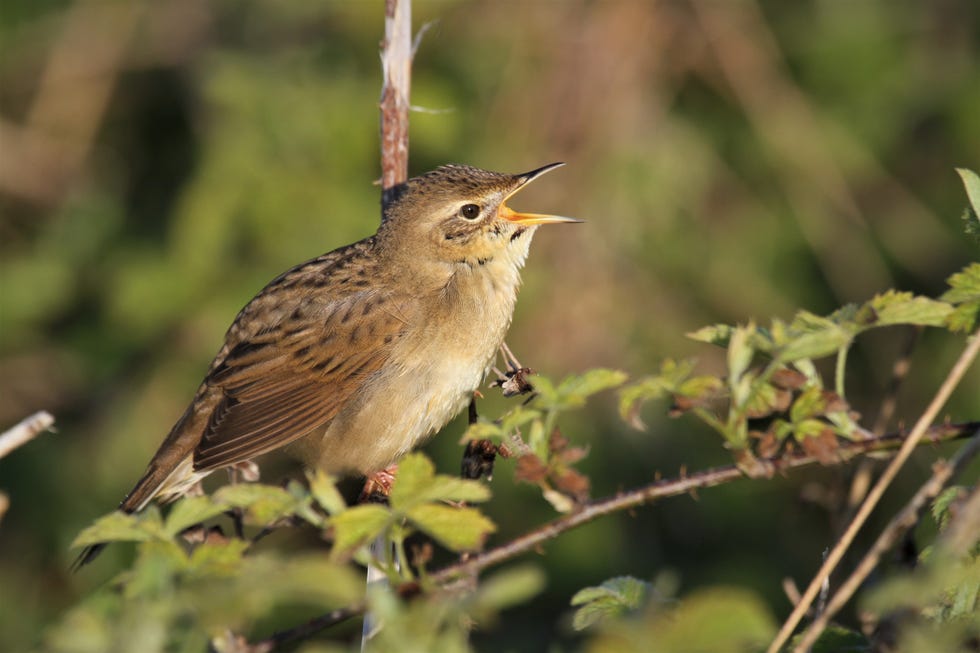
470, 211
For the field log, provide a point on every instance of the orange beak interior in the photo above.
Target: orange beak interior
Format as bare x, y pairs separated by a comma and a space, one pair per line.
531, 218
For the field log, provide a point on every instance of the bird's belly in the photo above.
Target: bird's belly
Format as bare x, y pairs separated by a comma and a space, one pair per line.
414, 395
428, 379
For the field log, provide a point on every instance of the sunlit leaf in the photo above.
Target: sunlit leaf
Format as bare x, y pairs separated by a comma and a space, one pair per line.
578, 388
417, 482
574, 390
263, 504
971, 181
668, 381
458, 529
610, 599
559, 501
964, 291
716, 334
809, 403
325, 493
905, 308
815, 344
740, 353
121, 527
357, 525
217, 558
191, 511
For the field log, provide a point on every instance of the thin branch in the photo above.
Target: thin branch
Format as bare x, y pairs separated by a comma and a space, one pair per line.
397, 51
396, 66
907, 518
619, 502
306, 630
25, 431
900, 371
920, 429
674, 487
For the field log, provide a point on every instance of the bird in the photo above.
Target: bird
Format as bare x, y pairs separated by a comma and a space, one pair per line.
350, 360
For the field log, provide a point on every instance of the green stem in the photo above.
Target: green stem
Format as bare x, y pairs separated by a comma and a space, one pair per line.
839, 371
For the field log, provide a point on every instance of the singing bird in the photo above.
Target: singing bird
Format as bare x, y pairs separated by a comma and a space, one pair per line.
351, 359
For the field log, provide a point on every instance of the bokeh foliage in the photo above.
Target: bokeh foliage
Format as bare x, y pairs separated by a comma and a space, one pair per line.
734, 161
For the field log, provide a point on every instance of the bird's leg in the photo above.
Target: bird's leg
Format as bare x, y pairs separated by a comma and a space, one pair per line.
377, 486
480, 455
509, 358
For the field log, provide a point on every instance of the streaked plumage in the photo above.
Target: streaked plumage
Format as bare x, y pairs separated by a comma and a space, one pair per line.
351, 359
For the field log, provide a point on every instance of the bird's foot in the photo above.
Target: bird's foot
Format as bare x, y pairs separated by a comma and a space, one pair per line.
478, 459
377, 487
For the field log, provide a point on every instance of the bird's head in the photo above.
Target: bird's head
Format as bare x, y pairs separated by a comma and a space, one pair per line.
458, 214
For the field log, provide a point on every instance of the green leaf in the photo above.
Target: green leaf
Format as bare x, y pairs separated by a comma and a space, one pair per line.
740, 353
611, 599
964, 291
574, 390
941, 504
808, 428
153, 573
964, 317
718, 620
579, 388
537, 441
417, 483
716, 334
809, 403
217, 558
263, 504
484, 429
895, 307
121, 527
358, 525
325, 493
971, 181
964, 286
700, 387
191, 511
815, 344
506, 588
672, 375
762, 401
308, 578
458, 529
836, 639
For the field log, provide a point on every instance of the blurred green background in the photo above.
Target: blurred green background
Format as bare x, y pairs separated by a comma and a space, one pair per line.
160, 162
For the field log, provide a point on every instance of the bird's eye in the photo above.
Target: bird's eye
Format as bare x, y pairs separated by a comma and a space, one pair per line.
470, 211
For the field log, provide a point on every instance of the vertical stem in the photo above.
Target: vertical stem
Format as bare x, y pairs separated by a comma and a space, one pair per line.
840, 369
396, 67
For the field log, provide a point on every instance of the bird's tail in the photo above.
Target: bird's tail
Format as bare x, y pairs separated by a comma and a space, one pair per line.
157, 483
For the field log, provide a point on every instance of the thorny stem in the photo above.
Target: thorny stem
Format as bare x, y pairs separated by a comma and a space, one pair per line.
943, 473
600, 507
839, 370
397, 51
25, 431
908, 445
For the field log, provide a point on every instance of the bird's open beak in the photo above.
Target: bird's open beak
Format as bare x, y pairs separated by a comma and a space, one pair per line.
528, 219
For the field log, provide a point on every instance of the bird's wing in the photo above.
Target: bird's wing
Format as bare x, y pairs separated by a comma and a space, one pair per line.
281, 382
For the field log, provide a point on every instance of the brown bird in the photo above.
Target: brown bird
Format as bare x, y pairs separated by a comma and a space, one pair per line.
353, 358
